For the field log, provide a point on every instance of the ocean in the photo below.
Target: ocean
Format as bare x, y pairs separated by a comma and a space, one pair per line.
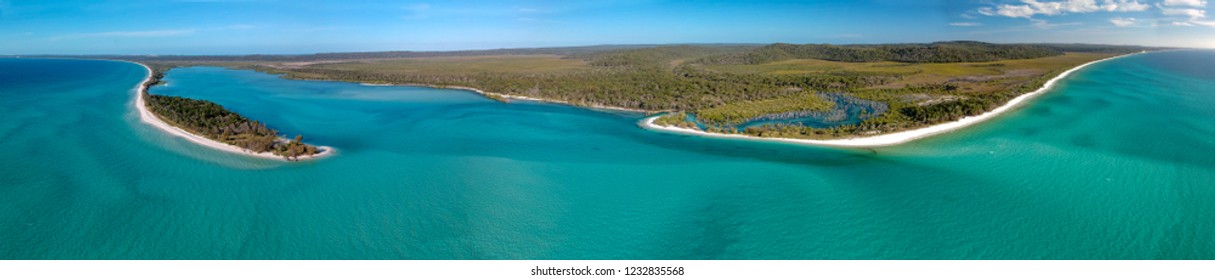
1114, 163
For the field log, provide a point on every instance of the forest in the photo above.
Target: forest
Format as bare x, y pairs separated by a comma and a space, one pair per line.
940, 52
211, 120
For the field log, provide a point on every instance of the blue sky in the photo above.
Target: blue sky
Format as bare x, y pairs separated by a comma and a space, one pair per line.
278, 27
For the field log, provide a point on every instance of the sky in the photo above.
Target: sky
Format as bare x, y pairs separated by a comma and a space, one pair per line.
303, 26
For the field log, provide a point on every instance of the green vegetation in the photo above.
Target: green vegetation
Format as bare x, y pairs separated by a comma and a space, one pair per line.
514, 64
743, 111
677, 119
158, 73
941, 52
722, 85
214, 122
648, 79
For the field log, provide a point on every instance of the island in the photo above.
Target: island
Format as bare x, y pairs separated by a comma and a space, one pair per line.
819, 94
212, 125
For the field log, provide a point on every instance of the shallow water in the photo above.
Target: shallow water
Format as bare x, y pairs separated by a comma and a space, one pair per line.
1114, 163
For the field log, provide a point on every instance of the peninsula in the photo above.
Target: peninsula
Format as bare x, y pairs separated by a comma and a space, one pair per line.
884, 139
210, 125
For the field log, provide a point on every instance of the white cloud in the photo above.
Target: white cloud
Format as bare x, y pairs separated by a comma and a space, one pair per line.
1193, 14
1192, 17
1030, 8
1043, 24
1122, 22
1125, 6
1203, 23
965, 24
1191, 3
1012, 11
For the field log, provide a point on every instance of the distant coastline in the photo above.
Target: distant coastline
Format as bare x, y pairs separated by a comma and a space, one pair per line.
150, 118
888, 139
505, 97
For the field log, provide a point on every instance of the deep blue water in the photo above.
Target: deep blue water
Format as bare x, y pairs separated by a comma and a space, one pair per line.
1113, 164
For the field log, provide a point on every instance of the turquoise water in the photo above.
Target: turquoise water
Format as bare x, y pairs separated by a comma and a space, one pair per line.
1115, 163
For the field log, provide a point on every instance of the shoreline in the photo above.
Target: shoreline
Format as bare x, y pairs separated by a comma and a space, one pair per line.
888, 139
149, 118
491, 95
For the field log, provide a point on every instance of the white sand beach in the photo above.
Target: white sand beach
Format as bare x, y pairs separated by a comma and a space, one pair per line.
151, 119
890, 138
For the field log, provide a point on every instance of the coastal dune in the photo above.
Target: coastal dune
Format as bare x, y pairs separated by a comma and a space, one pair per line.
151, 119
889, 139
